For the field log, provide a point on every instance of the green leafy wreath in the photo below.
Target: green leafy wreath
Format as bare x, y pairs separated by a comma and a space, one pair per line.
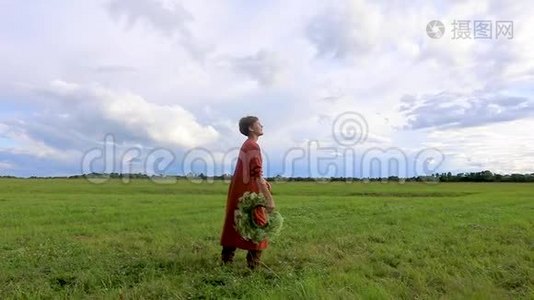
244, 221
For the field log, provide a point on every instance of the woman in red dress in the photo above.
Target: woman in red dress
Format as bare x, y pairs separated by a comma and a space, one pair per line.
248, 177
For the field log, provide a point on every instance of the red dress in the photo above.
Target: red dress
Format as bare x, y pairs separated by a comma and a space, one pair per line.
248, 169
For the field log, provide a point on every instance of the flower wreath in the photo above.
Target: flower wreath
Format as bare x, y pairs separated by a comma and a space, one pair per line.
245, 224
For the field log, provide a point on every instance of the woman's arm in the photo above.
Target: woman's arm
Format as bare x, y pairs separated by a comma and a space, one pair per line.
263, 186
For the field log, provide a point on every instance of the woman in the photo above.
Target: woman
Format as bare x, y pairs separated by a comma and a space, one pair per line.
248, 176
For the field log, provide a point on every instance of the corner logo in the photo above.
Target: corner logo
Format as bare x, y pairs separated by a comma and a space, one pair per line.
435, 29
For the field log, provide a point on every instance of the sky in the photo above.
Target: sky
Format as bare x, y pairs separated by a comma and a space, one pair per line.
342, 88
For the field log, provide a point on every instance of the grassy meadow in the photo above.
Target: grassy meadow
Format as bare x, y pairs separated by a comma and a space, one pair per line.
69, 239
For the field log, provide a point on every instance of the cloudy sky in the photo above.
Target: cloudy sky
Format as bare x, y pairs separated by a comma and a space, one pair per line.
341, 87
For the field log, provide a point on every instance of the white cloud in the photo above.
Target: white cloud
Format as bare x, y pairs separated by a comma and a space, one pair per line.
5, 165
501, 147
168, 19
22, 143
263, 67
460, 110
349, 29
132, 114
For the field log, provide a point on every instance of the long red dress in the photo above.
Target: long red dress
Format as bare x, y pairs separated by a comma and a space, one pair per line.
247, 171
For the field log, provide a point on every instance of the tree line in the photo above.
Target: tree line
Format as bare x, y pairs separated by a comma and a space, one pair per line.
482, 176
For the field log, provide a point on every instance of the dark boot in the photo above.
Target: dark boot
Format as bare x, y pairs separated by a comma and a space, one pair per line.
253, 259
227, 255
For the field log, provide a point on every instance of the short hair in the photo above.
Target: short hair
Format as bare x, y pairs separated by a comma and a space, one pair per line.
245, 123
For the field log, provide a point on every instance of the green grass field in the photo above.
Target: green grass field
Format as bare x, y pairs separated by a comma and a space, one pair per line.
74, 239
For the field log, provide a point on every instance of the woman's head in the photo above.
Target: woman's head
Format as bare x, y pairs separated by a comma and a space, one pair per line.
250, 125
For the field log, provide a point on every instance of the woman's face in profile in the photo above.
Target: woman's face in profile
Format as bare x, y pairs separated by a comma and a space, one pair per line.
257, 128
